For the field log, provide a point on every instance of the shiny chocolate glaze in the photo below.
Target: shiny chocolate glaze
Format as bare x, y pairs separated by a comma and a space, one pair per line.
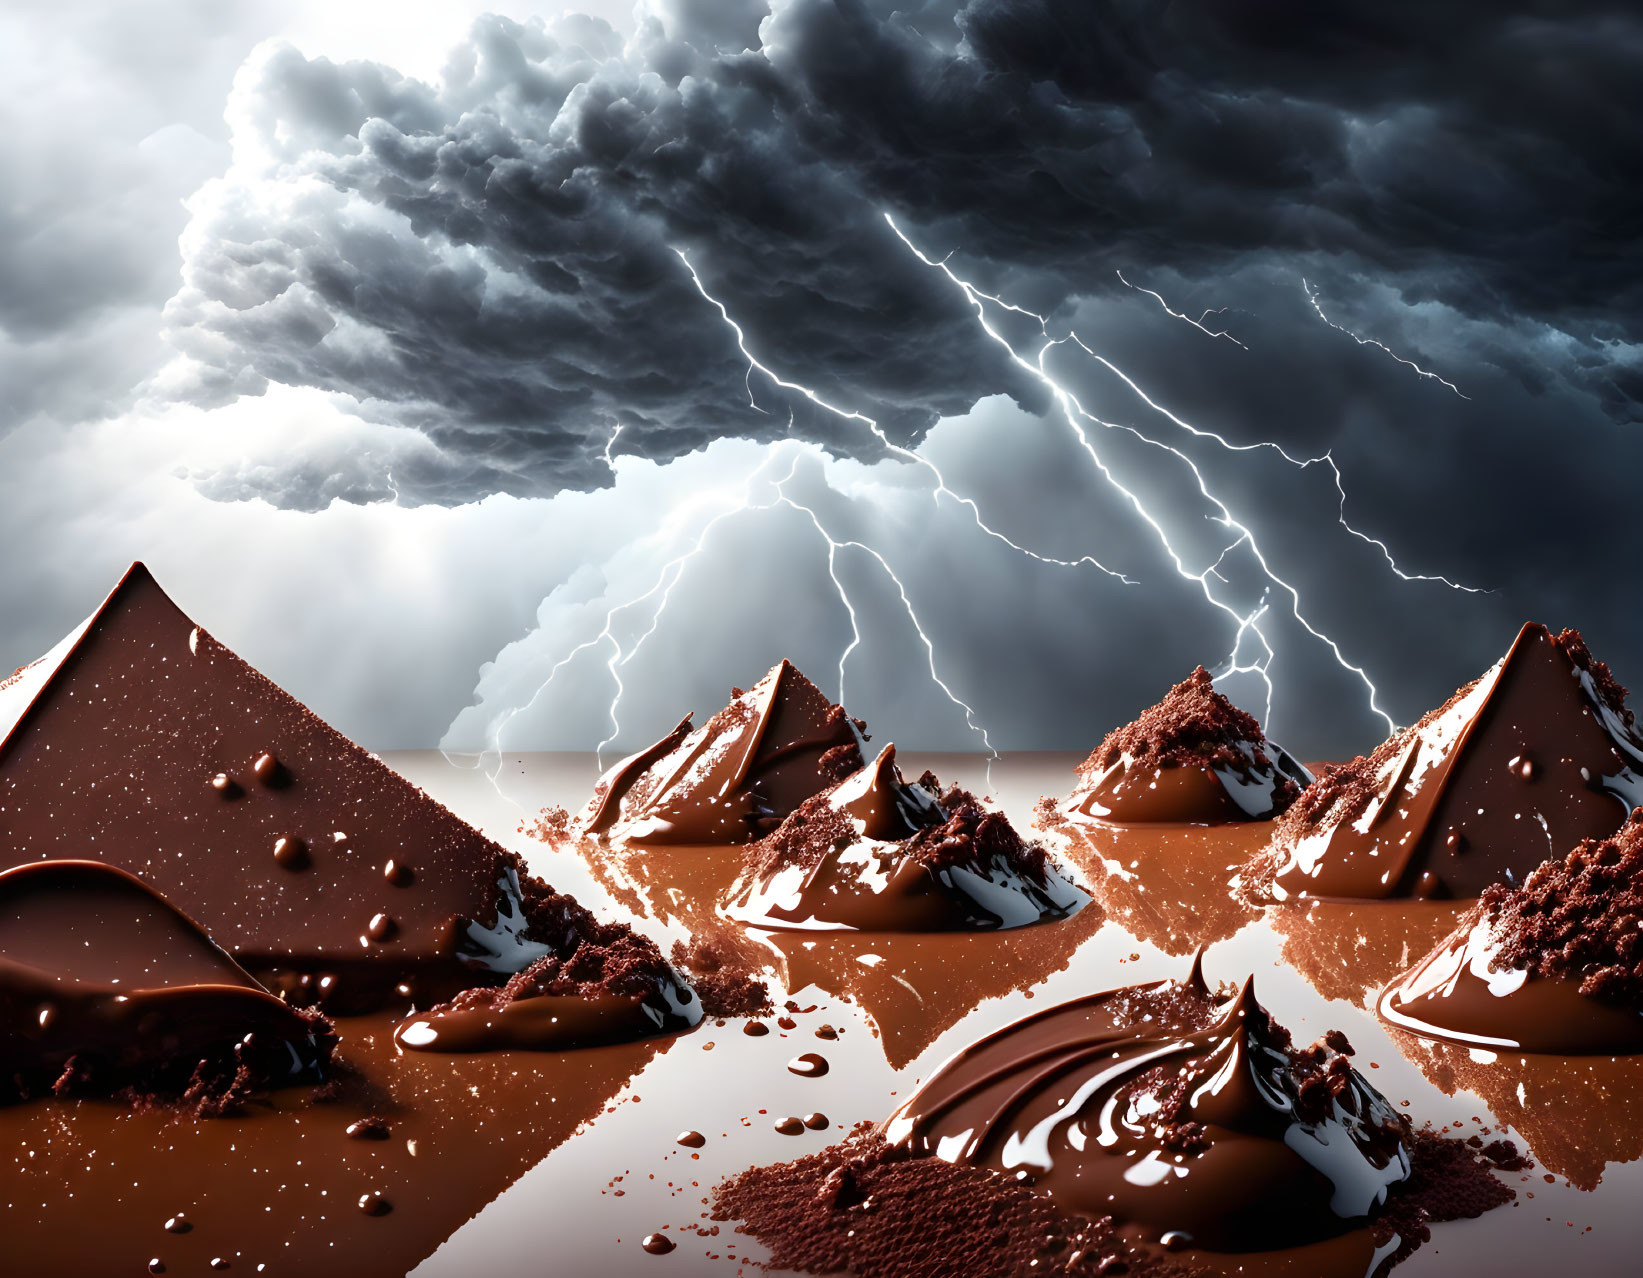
288, 1186
857, 863
1455, 994
1519, 766
1131, 791
1172, 1110
734, 778
105, 986
152, 747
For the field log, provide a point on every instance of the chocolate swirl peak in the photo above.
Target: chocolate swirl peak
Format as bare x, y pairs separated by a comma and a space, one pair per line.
878, 854
1194, 758
737, 776
1183, 1114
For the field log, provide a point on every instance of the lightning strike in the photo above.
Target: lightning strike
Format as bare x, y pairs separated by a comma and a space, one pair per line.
1312, 296
1076, 414
610, 462
1196, 323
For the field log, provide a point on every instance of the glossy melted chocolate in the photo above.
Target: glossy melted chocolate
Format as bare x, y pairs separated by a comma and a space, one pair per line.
734, 778
1523, 764
875, 854
1172, 1110
105, 986
329, 877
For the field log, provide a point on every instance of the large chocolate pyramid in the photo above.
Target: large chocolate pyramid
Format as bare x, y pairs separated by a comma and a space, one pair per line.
142, 742
1518, 766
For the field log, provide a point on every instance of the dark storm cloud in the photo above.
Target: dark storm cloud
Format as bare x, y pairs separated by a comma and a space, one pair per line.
491, 260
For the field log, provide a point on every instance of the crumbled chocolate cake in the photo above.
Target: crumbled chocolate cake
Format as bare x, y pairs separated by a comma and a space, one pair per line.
551, 825
725, 986
1449, 1179
870, 1208
618, 962
1193, 726
1580, 918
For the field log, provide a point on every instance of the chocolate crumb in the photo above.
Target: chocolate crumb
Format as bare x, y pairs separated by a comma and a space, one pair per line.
725, 986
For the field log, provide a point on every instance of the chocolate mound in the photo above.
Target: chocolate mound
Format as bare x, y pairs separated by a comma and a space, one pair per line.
1163, 1129
1192, 758
1187, 1116
108, 989
613, 987
1536, 755
735, 778
1553, 966
142, 742
876, 854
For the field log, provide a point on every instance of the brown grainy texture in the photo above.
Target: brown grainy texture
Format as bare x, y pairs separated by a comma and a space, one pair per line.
843, 760
1047, 813
867, 1208
12, 678
209, 1087
1580, 918
725, 987
971, 833
1449, 1180
551, 825
610, 959
1609, 691
1194, 726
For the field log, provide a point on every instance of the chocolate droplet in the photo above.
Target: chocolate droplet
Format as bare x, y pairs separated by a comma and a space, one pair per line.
374, 1204
219, 1262
692, 1140
790, 1126
1429, 887
381, 928
1523, 766
657, 1244
226, 786
1176, 1240
156, 1266
398, 873
755, 1029
1455, 841
290, 852
787, 1022
269, 770
178, 1224
47, 1016
809, 1065
827, 1032
368, 1129
815, 1122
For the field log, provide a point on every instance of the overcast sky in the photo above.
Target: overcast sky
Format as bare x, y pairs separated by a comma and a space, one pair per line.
390, 337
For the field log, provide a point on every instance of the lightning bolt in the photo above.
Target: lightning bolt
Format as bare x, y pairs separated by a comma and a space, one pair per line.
1076, 415
1312, 296
610, 462
1196, 323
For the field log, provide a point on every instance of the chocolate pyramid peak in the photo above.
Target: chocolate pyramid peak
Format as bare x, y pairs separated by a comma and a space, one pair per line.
736, 777
143, 742
1537, 754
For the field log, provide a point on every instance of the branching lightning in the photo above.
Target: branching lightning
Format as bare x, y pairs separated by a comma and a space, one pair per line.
1251, 652
1312, 296
1196, 323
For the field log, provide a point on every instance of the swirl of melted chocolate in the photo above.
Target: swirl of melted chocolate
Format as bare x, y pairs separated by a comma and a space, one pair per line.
876, 854
737, 776
1183, 1115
